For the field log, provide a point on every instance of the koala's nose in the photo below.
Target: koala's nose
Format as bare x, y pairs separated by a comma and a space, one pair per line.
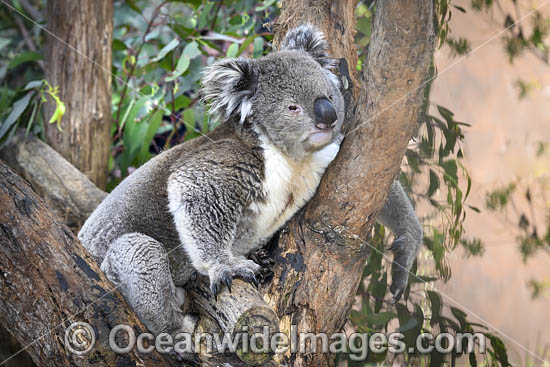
325, 114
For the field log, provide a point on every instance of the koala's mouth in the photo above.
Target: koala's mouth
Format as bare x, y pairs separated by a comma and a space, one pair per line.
320, 137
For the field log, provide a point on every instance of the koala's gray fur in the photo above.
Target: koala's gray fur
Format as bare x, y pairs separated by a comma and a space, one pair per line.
204, 205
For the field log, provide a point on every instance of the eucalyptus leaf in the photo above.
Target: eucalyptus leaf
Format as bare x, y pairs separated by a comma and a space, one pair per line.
33, 84
181, 67
381, 318
166, 49
17, 110
4, 42
265, 5
434, 183
24, 57
192, 50
232, 50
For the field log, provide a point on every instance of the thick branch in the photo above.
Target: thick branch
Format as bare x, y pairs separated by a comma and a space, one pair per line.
48, 281
67, 191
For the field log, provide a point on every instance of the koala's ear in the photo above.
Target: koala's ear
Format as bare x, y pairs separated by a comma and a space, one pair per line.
228, 85
311, 40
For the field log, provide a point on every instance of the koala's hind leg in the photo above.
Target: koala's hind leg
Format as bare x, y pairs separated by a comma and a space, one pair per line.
138, 265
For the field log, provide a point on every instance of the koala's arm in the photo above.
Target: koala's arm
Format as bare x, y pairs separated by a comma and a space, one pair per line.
207, 197
399, 216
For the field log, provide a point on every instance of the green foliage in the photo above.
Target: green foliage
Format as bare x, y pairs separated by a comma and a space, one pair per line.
497, 199
532, 235
363, 15
538, 288
22, 89
159, 50
533, 36
526, 88
459, 46
480, 5
27, 109
518, 37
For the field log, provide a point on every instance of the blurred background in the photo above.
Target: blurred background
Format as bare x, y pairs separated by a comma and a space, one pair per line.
506, 99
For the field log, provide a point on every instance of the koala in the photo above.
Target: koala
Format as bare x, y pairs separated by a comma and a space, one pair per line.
202, 206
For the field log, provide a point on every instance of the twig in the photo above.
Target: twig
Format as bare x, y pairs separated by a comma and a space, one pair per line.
31, 10
133, 69
218, 7
27, 38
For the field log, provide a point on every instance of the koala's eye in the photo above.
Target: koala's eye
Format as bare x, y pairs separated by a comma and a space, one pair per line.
294, 107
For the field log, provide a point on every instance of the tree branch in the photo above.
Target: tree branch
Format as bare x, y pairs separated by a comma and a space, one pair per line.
67, 191
48, 281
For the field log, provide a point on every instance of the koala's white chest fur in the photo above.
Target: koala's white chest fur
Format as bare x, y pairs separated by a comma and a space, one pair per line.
287, 186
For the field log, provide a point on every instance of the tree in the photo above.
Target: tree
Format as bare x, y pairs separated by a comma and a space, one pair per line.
330, 235
78, 55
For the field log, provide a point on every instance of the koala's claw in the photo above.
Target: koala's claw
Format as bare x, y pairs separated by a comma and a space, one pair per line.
262, 257
228, 280
224, 274
397, 293
247, 272
218, 275
250, 278
265, 275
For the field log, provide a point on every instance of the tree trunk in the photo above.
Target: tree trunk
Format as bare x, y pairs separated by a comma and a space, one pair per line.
321, 255
48, 281
78, 56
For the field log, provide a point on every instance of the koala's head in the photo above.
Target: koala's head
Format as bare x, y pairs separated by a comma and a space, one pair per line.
290, 97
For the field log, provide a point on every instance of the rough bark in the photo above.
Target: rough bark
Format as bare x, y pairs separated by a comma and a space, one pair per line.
320, 258
78, 61
48, 281
242, 309
66, 190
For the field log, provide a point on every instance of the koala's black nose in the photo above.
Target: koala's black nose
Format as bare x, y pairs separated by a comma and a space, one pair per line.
325, 114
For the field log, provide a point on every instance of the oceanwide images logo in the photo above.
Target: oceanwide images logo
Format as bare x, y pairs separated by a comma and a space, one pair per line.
80, 339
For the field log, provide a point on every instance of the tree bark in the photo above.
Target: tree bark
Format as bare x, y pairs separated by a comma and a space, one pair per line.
321, 255
66, 190
48, 281
78, 61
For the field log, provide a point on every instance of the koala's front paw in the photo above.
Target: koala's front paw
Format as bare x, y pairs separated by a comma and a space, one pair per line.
234, 268
403, 257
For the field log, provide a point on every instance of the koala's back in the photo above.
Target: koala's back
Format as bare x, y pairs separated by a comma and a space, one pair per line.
140, 202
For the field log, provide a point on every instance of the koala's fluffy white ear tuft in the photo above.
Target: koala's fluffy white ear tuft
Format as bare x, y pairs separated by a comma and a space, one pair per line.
228, 85
311, 40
